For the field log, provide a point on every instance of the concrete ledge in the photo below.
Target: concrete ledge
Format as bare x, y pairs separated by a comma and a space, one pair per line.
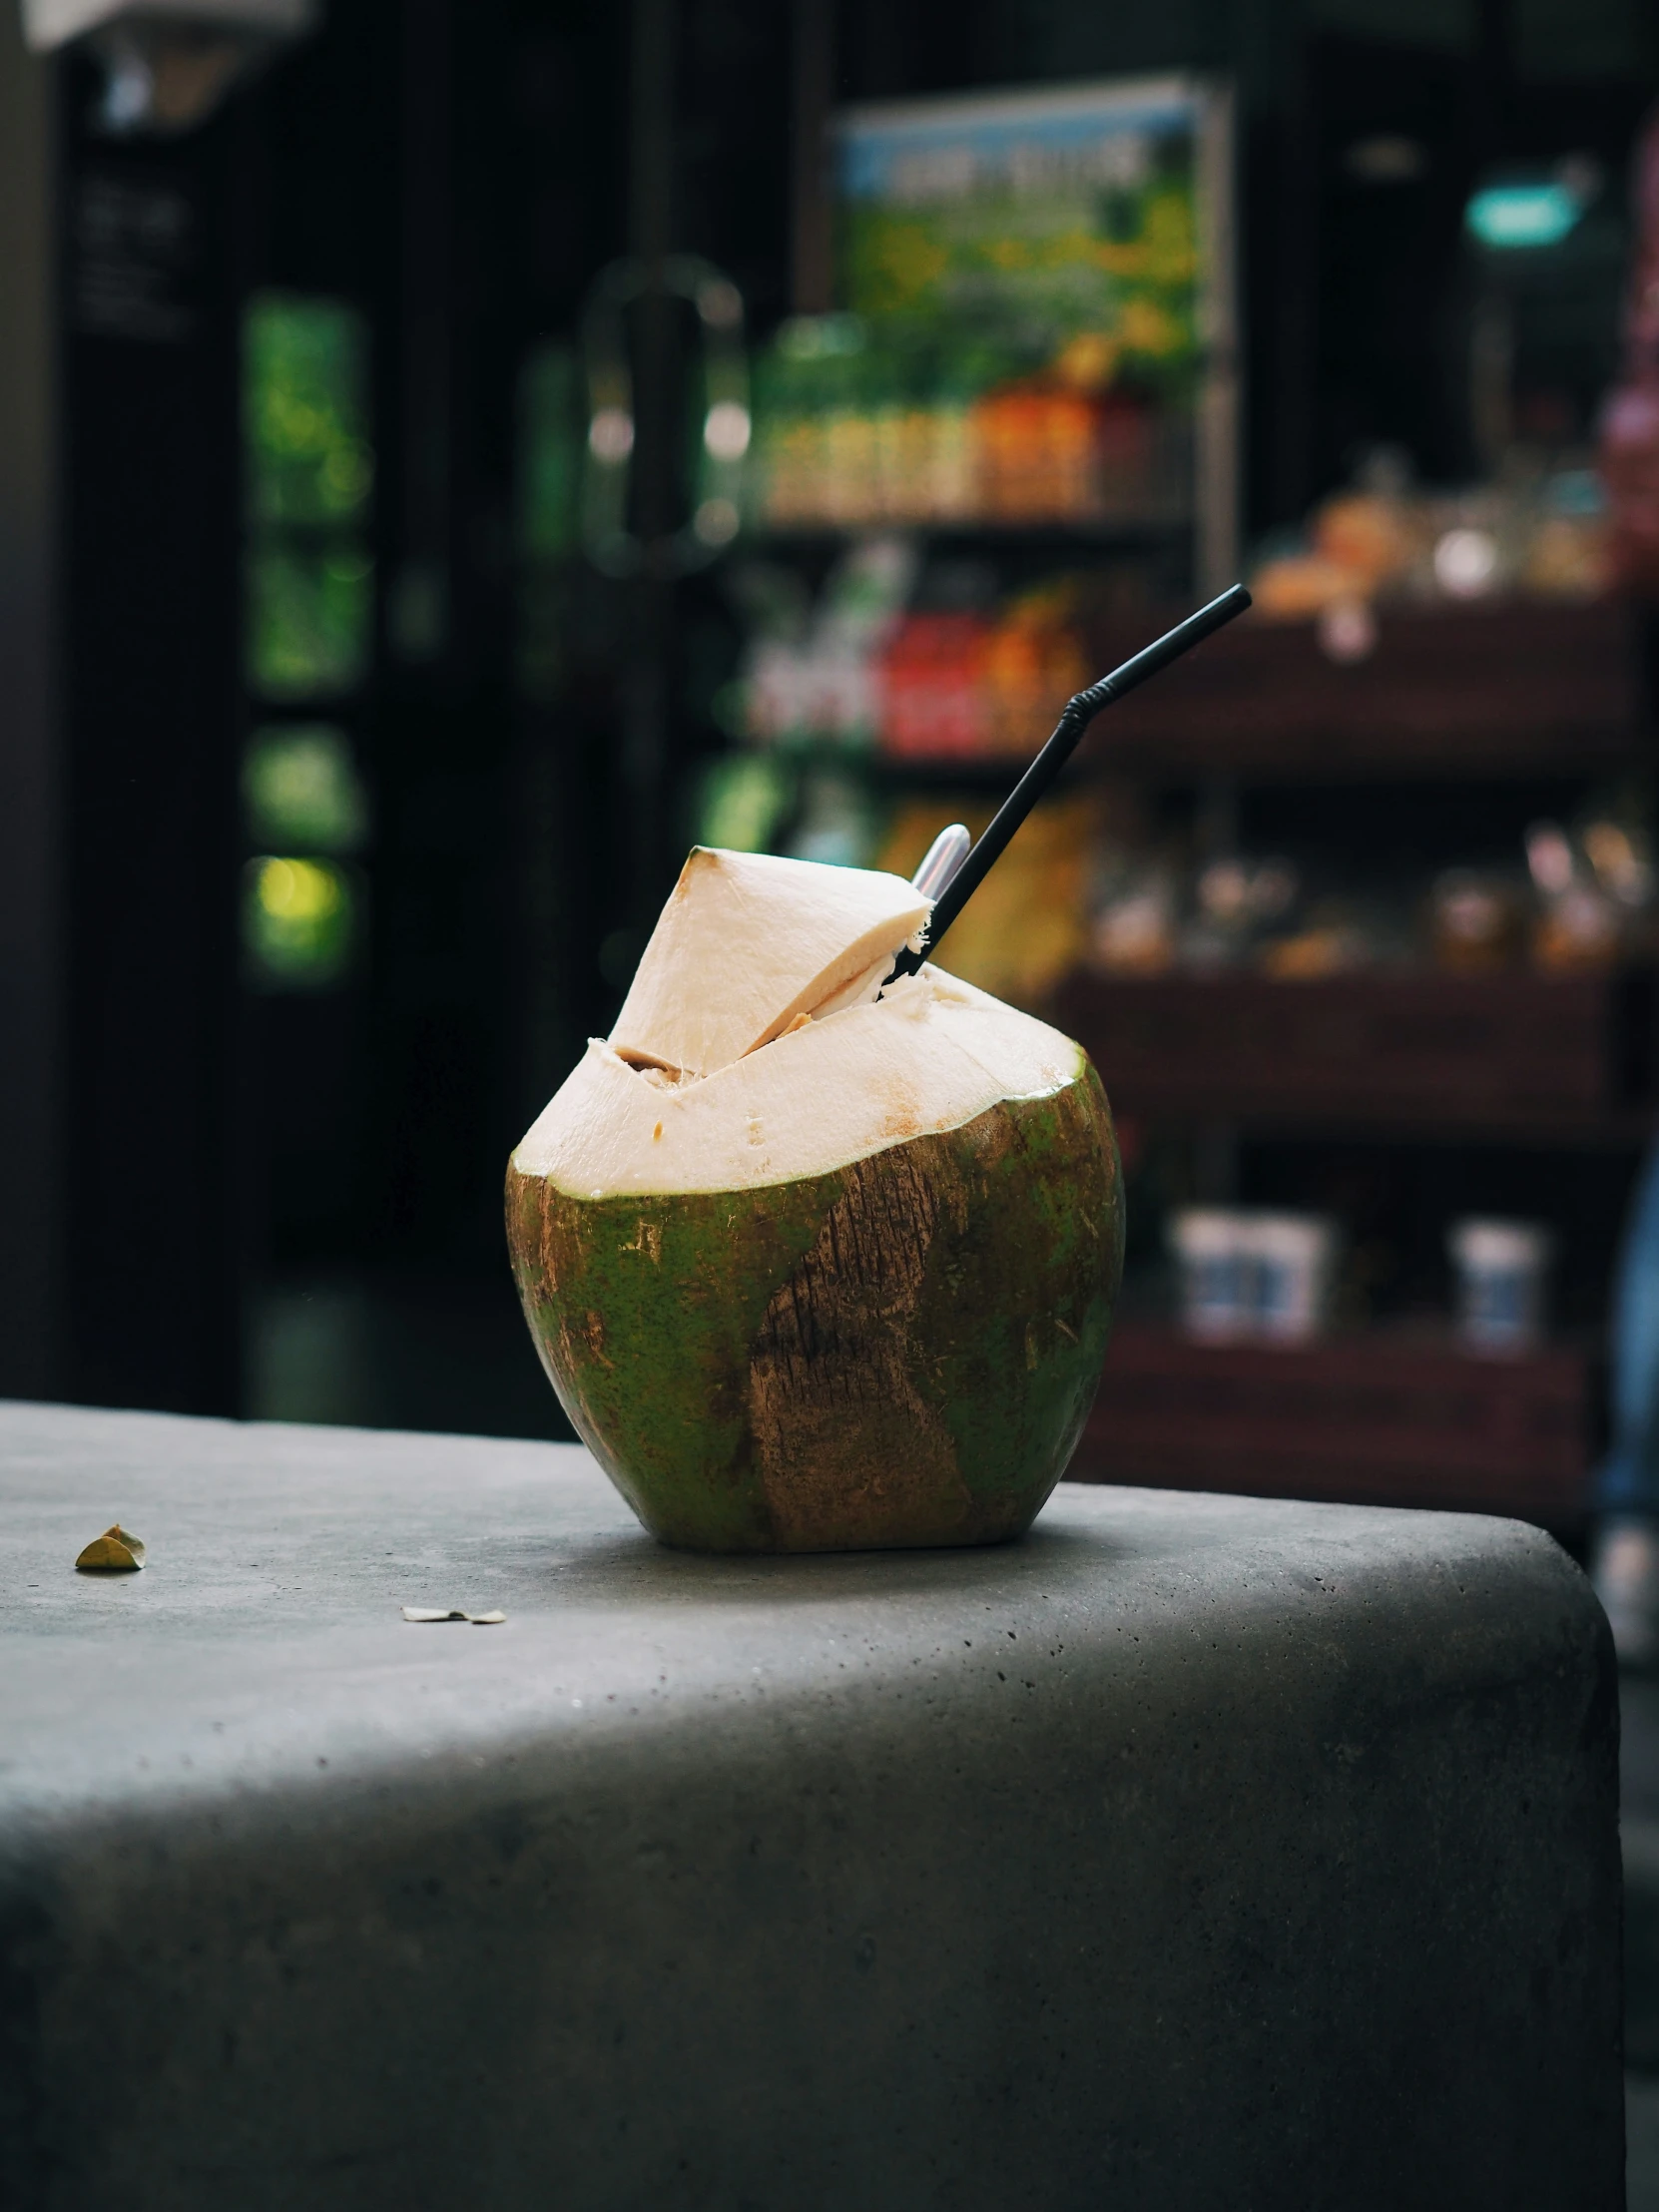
1194, 1852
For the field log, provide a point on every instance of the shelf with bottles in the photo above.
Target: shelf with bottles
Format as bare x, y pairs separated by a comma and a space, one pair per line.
1285, 1367
909, 657
1492, 968
854, 433
1409, 632
1415, 1324
1407, 1417
1517, 998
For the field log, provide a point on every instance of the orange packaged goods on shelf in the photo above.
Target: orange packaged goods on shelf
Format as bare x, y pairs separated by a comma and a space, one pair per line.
1039, 455
1033, 663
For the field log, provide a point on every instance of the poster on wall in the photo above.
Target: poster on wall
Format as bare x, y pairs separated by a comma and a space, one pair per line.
1036, 317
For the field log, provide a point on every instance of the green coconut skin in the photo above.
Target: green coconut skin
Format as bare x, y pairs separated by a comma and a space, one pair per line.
902, 1352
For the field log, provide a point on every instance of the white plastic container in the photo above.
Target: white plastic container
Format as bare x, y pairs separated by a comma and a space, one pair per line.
1289, 1263
1500, 1282
1208, 1246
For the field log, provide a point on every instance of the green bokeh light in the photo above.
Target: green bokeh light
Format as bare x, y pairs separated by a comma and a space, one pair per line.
302, 791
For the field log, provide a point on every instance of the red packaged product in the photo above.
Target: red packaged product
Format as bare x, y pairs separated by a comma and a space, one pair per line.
931, 687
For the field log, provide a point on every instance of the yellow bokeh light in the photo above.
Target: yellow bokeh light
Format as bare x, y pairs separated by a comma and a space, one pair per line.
298, 891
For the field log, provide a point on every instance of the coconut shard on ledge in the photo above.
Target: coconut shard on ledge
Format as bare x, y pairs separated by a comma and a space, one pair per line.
814, 1265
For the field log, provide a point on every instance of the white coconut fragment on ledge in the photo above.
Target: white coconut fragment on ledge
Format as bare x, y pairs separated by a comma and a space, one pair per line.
748, 943
931, 1055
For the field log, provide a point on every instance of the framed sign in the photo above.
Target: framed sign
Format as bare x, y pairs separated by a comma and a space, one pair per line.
1037, 314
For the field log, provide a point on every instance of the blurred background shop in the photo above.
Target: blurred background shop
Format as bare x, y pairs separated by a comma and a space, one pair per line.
453, 456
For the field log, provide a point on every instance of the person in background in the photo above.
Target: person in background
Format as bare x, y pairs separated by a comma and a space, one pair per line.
1624, 1560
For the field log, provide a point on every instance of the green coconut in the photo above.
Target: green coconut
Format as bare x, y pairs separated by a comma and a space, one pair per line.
847, 1285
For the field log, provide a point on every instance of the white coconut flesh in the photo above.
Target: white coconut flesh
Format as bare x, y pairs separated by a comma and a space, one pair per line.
930, 1055
749, 943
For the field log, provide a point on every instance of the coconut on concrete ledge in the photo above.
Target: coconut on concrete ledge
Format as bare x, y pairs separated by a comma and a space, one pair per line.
813, 1269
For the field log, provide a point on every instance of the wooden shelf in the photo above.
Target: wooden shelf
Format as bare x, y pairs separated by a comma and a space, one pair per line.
994, 773
1369, 1418
1058, 536
1508, 1057
1526, 688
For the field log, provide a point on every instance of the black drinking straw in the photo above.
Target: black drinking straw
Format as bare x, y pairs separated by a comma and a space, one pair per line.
1068, 731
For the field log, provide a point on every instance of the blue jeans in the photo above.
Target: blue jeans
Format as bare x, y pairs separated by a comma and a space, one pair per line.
1628, 1480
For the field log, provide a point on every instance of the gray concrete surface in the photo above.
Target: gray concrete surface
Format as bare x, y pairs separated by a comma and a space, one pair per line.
1641, 2126
1193, 1852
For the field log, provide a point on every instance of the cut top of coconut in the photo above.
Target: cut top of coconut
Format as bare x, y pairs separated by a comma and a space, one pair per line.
930, 1056
747, 943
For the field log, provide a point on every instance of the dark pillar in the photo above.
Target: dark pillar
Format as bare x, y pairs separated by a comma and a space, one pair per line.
812, 242
151, 726
30, 1312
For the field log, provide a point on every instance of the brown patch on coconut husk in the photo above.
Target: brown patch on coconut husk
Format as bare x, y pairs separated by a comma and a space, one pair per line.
831, 1369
